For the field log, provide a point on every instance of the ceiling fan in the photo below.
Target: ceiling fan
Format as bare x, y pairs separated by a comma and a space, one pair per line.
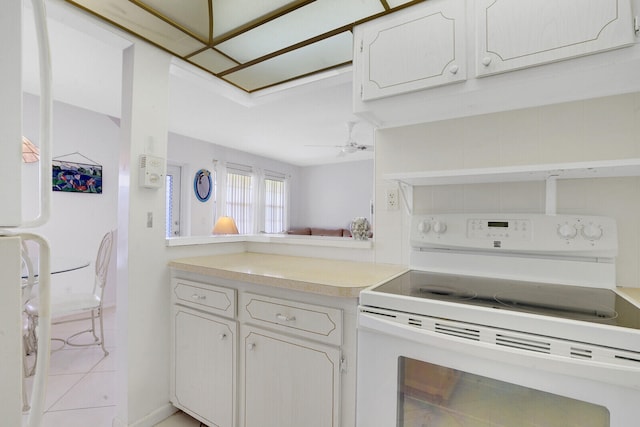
351, 145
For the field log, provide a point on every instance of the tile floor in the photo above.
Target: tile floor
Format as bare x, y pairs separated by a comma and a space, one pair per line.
81, 386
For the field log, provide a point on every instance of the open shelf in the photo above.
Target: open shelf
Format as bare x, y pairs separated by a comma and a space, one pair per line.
595, 169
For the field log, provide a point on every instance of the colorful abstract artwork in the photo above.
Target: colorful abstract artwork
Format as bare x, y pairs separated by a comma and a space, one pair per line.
76, 177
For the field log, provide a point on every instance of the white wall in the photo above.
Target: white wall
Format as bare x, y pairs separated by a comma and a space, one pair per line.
596, 129
78, 221
332, 195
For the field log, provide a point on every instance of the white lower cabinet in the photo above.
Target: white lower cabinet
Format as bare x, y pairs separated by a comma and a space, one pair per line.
204, 366
251, 356
288, 381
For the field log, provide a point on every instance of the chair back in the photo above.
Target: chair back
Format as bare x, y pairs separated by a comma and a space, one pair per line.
102, 263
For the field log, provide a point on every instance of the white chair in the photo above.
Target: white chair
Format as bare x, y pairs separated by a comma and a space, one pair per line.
77, 304
28, 333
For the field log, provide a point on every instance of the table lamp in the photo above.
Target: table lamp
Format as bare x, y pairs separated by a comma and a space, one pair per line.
225, 225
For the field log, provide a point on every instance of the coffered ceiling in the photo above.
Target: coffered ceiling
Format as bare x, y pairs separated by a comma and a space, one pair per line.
251, 44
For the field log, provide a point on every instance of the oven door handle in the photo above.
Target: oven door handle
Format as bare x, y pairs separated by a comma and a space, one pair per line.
626, 376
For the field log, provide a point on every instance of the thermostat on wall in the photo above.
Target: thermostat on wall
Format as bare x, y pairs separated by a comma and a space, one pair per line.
151, 174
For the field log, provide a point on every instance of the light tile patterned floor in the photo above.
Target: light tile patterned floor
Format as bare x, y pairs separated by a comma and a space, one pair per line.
81, 386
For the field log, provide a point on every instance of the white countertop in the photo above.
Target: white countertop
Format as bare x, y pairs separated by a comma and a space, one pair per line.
315, 275
632, 294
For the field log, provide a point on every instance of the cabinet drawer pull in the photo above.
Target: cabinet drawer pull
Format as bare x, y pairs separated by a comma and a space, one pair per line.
283, 318
198, 297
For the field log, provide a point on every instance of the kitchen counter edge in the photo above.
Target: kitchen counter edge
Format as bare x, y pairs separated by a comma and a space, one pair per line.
223, 266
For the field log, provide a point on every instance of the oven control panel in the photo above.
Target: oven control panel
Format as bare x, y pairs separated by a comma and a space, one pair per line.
580, 235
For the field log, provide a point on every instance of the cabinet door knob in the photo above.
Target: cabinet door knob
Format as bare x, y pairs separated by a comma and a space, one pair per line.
454, 69
198, 297
223, 336
251, 346
283, 318
486, 61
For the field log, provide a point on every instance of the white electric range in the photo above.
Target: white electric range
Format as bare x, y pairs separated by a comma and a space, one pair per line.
504, 320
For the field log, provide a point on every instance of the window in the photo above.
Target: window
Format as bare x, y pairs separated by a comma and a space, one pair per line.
172, 188
274, 202
240, 197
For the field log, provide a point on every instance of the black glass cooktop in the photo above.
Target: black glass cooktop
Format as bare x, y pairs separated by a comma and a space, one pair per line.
571, 302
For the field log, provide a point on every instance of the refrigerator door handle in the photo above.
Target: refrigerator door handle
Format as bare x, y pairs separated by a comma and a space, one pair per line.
46, 116
38, 394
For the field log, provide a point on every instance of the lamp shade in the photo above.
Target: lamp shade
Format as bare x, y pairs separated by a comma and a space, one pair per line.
225, 225
30, 153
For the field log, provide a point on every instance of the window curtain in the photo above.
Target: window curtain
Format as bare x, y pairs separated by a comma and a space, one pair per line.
240, 196
274, 202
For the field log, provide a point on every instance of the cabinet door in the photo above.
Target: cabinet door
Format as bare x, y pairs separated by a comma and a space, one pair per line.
419, 48
514, 34
203, 366
289, 382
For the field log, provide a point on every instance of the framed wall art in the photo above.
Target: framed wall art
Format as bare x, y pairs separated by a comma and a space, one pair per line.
74, 177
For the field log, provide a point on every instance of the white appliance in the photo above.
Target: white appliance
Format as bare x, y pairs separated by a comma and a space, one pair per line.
504, 320
13, 228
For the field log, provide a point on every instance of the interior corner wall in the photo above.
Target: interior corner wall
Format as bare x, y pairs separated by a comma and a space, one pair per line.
332, 195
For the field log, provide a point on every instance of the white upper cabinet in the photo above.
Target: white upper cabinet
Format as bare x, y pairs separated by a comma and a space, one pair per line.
419, 48
514, 34
564, 50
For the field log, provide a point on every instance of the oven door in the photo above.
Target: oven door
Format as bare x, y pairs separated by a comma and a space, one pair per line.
414, 377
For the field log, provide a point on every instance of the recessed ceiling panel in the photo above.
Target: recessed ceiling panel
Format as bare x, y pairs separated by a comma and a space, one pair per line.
321, 55
192, 15
250, 43
319, 17
212, 61
229, 15
136, 20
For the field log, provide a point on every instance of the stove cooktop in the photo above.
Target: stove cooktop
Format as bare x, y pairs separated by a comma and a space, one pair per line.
596, 305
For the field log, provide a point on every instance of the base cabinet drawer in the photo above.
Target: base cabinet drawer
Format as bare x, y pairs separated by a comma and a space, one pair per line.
203, 296
306, 320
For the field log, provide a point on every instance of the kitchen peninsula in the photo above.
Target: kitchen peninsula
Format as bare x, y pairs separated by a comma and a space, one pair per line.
248, 326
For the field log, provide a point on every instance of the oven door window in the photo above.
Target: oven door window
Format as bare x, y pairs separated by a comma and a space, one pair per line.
432, 395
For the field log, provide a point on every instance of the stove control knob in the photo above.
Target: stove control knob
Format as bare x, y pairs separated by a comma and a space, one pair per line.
424, 227
439, 227
591, 232
567, 231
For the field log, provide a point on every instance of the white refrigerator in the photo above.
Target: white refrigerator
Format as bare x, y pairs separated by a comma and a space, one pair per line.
14, 229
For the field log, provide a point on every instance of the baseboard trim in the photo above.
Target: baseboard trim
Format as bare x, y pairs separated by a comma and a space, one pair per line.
151, 419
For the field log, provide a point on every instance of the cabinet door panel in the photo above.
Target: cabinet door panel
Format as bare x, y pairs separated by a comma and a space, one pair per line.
514, 34
421, 48
203, 380
289, 382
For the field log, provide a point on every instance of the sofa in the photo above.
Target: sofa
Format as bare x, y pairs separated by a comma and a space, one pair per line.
314, 231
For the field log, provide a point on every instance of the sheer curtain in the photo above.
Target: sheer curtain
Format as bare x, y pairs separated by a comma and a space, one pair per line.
240, 197
274, 202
